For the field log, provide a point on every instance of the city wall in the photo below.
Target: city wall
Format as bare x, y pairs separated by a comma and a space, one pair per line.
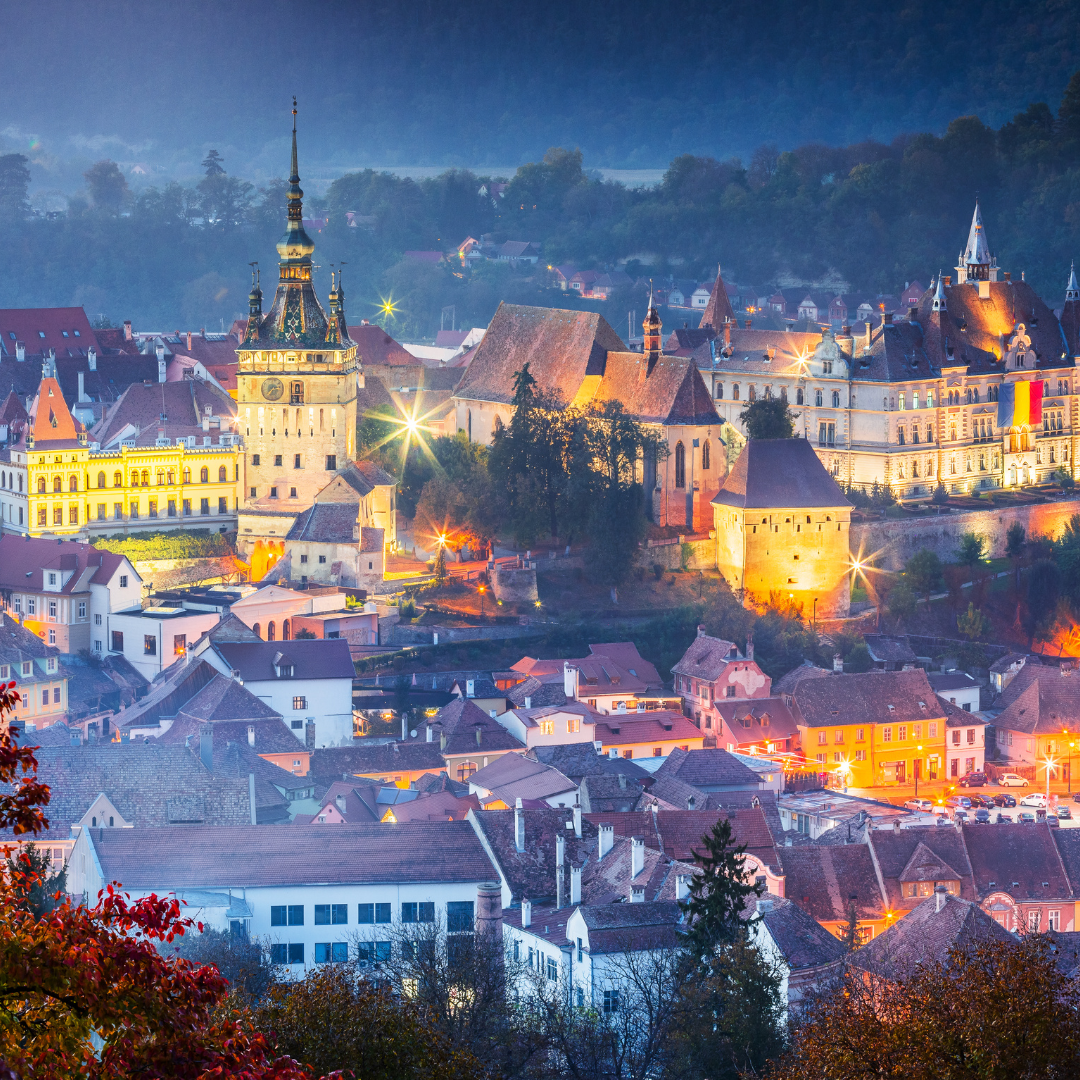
897, 540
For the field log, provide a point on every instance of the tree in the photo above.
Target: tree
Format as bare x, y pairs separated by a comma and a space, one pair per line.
971, 551
923, 572
1043, 593
1069, 110
34, 882
440, 563
212, 164
1015, 542
14, 185
859, 659
940, 496
901, 600
768, 418
107, 186
719, 893
849, 933
954, 1019
973, 624
242, 962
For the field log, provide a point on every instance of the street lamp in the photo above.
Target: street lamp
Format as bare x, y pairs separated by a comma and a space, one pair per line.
1049, 763
1071, 745
481, 590
918, 769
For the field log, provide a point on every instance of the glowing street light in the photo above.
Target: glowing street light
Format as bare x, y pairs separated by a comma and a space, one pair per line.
481, 589
1049, 764
918, 769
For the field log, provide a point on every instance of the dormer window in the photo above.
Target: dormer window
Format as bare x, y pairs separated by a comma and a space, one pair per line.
50, 664
52, 579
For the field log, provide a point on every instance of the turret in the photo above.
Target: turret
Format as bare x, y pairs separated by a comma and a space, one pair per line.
939, 303
255, 298
652, 345
976, 263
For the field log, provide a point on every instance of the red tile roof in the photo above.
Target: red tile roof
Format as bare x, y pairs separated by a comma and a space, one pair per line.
780, 474
375, 346
719, 306
24, 559
871, 697
320, 659
654, 726
65, 330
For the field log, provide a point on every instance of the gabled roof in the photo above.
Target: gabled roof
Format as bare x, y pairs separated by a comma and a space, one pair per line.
891, 650
436, 806
320, 659
871, 697
514, 776
652, 726
1022, 860
1041, 699
894, 849
325, 523
51, 422
719, 306
66, 330
626, 655
822, 879
225, 699
758, 719
24, 560
462, 721
924, 865
780, 474
137, 415
548, 692
166, 698
672, 393
709, 769
706, 657
801, 940
581, 759
388, 759
375, 346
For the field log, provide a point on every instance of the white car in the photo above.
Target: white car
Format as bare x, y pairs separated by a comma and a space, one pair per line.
1036, 798
923, 805
1010, 779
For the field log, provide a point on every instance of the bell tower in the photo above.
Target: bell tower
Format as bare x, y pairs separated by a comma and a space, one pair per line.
296, 387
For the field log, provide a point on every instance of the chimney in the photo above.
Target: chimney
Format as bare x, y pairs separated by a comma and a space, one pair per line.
91, 358
340, 801
206, 422
727, 333
560, 850
128, 336
607, 839
577, 820
886, 318
701, 630
526, 913
470, 688
637, 855
489, 909
189, 341
161, 363
940, 897
764, 903
682, 887
519, 826
749, 646
251, 796
206, 747
749, 324
528, 702
570, 682
560, 873
429, 733
20, 350
251, 734
838, 663
575, 884
869, 334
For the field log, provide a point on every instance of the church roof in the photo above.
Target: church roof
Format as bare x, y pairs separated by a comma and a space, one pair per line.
977, 252
672, 393
51, 422
781, 473
719, 306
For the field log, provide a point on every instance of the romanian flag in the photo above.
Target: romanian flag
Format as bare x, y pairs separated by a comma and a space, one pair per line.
1020, 404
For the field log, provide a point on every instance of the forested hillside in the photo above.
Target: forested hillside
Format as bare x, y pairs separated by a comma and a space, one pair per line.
876, 214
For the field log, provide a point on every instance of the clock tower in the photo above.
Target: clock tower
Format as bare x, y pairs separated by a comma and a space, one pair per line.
296, 393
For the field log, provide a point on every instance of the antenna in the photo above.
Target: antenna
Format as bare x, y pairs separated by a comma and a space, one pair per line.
294, 114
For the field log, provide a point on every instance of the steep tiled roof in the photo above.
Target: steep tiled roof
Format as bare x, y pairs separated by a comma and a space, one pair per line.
581, 759
706, 658
759, 719
1021, 859
326, 523
653, 726
786, 683
719, 306
436, 806
779, 474
321, 659
386, 760
375, 346
626, 655
461, 721
616, 928
822, 880
514, 776
871, 697
894, 848
548, 692
889, 650
65, 330
560, 347
950, 680
926, 935
292, 855
178, 685
144, 781
609, 793
802, 940
709, 768
23, 559
1067, 842
183, 403
672, 392
1041, 699
225, 699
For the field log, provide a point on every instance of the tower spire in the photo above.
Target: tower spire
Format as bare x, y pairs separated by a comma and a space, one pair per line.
1072, 290
975, 262
651, 344
295, 247
939, 303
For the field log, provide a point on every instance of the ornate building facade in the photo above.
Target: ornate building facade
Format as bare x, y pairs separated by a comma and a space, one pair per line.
929, 398
296, 391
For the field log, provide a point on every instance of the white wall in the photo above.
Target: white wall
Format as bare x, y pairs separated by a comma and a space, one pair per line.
136, 627
328, 703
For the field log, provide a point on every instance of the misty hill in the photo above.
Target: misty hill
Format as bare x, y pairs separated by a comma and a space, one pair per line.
873, 214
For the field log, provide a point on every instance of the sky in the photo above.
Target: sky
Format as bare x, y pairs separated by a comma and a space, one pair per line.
494, 83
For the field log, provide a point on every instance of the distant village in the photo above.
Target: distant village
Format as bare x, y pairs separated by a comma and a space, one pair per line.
207, 727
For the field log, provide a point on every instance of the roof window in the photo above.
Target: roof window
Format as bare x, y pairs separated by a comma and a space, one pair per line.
77, 334
64, 332
41, 333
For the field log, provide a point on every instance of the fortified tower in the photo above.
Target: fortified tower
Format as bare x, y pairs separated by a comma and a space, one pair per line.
296, 391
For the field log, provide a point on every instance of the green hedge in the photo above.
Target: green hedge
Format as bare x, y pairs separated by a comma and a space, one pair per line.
143, 546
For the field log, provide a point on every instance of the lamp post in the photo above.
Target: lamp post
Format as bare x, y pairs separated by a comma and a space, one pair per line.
918, 769
815, 614
481, 589
1049, 763
1071, 745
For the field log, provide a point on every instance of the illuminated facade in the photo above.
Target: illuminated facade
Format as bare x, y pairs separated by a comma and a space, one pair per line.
914, 401
296, 393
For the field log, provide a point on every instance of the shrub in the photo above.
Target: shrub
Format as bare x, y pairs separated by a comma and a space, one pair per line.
940, 496
143, 546
658, 571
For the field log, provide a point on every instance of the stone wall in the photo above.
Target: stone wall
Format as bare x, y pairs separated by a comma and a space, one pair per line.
897, 540
515, 584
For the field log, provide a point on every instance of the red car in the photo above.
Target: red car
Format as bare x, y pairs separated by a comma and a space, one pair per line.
973, 779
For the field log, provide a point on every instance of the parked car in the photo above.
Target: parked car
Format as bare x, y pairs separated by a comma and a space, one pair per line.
1076, 797
1004, 799
1026, 819
982, 816
1010, 779
1003, 819
925, 805
973, 779
1052, 821
1036, 798
1064, 813
981, 800
958, 801
960, 816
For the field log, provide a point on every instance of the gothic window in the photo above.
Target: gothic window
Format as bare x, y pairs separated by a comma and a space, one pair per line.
768, 393
170, 477
783, 393
57, 484
752, 393
705, 454
118, 479
100, 479
204, 475
836, 399
680, 465
73, 483
41, 485
222, 475
818, 398
719, 391
735, 392
161, 478
799, 396
146, 478
186, 476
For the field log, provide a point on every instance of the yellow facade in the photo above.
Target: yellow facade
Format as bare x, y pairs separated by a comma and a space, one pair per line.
42, 689
866, 755
152, 487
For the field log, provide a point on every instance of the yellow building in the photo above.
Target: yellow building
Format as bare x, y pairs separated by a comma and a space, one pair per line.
782, 526
164, 456
875, 729
39, 679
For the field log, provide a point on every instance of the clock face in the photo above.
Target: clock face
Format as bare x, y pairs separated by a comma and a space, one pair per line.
272, 389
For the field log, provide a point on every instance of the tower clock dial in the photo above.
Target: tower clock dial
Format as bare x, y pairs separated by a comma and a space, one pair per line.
272, 389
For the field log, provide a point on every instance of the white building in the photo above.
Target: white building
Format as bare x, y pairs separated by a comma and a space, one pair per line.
156, 637
965, 742
308, 892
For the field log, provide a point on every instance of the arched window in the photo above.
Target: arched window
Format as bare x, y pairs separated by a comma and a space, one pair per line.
161, 478
783, 393
768, 393
187, 476
465, 770
799, 396
41, 485
118, 479
680, 465
256, 631
705, 454
818, 400
73, 483
57, 483
171, 477
751, 394
468, 422
204, 475
719, 391
146, 478
100, 479
271, 631
836, 399
735, 392
222, 475
286, 631
20, 481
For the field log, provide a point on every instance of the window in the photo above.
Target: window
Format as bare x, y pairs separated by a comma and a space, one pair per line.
179, 644
296, 953
278, 915
611, 1001
1054, 920
322, 952
547, 727
204, 505
933, 730
735, 392
277, 461
322, 559
322, 914
956, 738
1033, 920
52, 606
57, 484
31, 605
860, 755
705, 454
465, 770
255, 459
971, 736
299, 702
860, 734
339, 914
58, 515
134, 511
303, 559
836, 399
117, 641
459, 916
279, 954
42, 516
273, 494
331, 462
296, 914
152, 512
680, 465
222, 475
171, 508
204, 475
82, 609
149, 645
367, 914
886, 734
185, 476
657, 751
573, 725
901, 733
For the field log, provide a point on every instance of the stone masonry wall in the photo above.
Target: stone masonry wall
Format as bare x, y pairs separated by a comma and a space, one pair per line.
898, 540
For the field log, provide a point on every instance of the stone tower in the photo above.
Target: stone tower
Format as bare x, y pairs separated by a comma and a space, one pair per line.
296, 388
